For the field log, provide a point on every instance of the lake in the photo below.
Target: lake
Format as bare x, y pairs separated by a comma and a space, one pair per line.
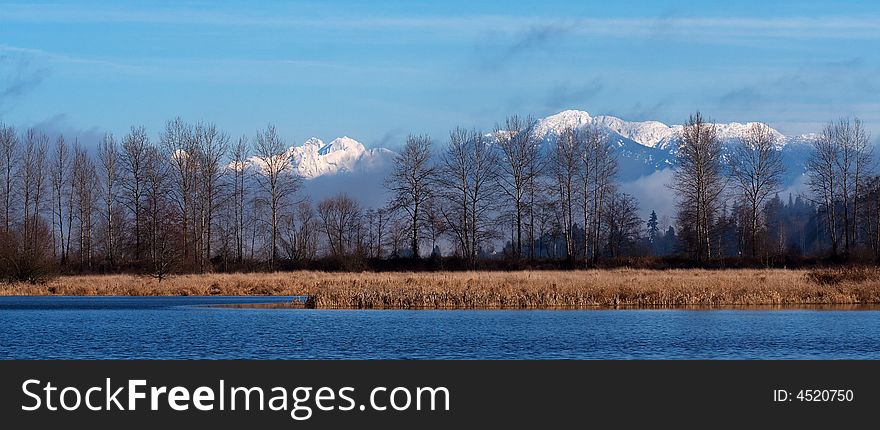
184, 328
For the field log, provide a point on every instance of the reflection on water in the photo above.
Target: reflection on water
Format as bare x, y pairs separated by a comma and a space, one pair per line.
189, 328
299, 303
815, 307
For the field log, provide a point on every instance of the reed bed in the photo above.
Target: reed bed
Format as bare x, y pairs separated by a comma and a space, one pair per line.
499, 290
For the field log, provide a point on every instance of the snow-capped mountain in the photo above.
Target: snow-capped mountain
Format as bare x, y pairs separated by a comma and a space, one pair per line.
314, 158
652, 134
645, 152
635, 158
648, 133
343, 165
645, 147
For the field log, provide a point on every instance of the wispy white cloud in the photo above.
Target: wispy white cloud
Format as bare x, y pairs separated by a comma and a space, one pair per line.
714, 28
207, 68
819, 90
65, 58
856, 27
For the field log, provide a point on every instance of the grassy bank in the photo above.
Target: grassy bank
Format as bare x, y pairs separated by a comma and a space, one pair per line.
500, 290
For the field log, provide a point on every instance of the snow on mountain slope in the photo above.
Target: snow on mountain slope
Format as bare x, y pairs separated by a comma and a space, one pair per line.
652, 134
635, 159
727, 134
314, 158
647, 133
555, 124
642, 147
645, 147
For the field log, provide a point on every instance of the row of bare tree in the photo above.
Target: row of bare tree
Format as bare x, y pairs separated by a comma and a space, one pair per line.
139, 204
566, 192
838, 172
482, 183
195, 199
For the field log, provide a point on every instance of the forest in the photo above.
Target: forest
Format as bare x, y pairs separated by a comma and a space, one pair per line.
195, 200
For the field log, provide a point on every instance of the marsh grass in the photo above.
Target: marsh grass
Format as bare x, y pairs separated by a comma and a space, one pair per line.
839, 275
499, 290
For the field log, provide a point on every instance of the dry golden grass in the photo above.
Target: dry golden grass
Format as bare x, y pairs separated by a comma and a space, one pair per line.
499, 290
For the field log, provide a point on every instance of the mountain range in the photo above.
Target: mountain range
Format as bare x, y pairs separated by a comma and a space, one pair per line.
643, 148
646, 147
314, 158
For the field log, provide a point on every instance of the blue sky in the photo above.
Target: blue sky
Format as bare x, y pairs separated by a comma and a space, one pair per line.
378, 70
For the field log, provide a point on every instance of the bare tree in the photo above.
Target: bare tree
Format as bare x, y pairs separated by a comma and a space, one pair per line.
624, 223
566, 170
135, 154
258, 224
71, 199
178, 142
157, 206
213, 145
108, 159
410, 185
699, 182
853, 166
823, 180
519, 153
238, 169
300, 239
836, 170
398, 234
85, 184
341, 221
57, 213
756, 168
9, 149
276, 177
30, 245
164, 252
597, 171
467, 178
160, 227
535, 171
31, 177
544, 217
377, 223
870, 213
308, 231
434, 222
60, 190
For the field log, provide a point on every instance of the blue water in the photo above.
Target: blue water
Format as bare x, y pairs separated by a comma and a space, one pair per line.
180, 328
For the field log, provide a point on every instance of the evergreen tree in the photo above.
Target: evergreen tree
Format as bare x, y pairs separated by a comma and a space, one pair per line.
653, 227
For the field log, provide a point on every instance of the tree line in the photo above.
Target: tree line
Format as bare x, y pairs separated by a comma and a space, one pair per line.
194, 199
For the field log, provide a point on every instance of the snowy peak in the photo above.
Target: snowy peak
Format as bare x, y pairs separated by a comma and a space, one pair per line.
314, 158
644, 147
802, 138
652, 134
344, 143
732, 131
647, 133
556, 124
313, 141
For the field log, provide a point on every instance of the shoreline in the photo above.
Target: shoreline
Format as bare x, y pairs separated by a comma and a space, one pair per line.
756, 307
583, 289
